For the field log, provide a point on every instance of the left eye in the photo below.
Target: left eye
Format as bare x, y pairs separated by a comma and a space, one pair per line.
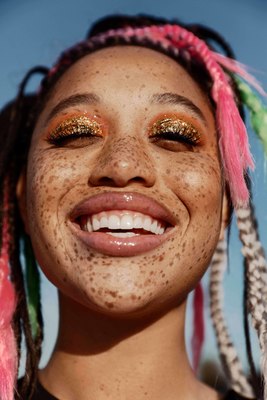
174, 135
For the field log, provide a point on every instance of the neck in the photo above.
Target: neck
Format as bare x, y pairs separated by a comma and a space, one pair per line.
107, 358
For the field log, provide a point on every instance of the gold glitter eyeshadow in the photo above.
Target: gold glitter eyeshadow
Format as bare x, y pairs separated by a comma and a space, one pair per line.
178, 126
75, 126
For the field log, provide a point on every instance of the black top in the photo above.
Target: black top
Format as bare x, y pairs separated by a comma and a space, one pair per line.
42, 394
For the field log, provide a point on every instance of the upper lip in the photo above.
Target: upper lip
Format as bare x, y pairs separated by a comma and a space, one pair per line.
131, 201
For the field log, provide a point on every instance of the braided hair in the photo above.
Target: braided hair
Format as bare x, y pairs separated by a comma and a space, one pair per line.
18, 119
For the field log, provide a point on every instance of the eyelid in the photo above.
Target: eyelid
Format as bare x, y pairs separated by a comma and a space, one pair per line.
77, 124
176, 125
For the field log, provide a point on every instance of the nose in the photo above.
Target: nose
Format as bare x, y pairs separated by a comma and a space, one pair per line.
121, 162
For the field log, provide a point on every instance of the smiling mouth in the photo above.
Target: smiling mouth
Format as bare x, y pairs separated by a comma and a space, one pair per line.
122, 224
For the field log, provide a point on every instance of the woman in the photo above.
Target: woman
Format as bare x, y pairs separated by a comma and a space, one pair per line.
122, 170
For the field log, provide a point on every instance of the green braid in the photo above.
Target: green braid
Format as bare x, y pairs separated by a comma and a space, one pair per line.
32, 284
257, 111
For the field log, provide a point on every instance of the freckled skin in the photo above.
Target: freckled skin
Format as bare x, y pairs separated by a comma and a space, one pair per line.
187, 181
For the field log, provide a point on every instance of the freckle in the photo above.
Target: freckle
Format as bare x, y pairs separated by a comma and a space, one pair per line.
93, 289
109, 305
112, 293
133, 297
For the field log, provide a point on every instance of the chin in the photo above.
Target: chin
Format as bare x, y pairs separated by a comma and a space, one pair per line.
131, 306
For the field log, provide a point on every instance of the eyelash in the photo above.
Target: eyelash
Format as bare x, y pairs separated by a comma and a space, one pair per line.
175, 130
74, 129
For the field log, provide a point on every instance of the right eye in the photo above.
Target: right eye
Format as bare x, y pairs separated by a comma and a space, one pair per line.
75, 132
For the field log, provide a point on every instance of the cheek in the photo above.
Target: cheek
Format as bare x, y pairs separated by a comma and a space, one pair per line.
196, 182
49, 178
196, 179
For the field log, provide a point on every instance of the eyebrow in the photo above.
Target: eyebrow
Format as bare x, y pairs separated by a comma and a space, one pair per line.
157, 98
72, 101
177, 99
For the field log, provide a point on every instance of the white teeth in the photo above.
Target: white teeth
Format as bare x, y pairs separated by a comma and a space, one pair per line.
114, 222
96, 223
89, 226
126, 222
103, 221
138, 223
124, 219
122, 234
147, 223
154, 226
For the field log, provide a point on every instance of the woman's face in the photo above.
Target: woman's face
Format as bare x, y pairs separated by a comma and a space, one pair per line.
123, 185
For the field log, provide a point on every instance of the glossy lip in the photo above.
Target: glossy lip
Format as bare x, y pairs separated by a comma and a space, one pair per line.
114, 246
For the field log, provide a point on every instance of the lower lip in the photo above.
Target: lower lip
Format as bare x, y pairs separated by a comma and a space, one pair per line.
120, 247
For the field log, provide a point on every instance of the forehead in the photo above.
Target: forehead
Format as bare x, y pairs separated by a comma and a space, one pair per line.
115, 72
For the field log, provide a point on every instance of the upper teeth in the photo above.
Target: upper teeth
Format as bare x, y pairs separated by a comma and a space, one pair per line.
124, 219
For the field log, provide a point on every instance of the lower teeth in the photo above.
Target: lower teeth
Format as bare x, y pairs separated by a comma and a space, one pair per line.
122, 234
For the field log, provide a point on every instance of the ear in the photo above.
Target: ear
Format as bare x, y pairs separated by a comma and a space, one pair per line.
21, 198
226, 214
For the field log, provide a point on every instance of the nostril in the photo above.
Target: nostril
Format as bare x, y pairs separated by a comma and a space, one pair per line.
138, 179
106, 181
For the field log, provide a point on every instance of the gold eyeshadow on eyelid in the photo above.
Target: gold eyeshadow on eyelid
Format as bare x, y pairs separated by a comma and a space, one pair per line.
75, 125
175, 126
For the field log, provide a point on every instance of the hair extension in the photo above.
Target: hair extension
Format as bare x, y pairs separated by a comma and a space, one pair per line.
8, 356
33, 289
230, 360
256, 276
199, 328
256, 383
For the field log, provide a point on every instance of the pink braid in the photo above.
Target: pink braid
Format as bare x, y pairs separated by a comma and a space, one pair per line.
233, 140
199, 327
8, 350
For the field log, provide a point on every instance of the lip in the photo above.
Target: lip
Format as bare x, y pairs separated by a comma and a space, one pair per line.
114, 246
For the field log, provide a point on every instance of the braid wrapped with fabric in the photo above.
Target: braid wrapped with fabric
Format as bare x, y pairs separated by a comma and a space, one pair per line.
228, 86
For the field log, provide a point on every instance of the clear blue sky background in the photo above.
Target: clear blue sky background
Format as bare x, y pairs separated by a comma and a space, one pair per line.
35, 31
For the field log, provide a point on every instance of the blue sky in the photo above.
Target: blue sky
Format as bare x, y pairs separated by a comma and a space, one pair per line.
34, 32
